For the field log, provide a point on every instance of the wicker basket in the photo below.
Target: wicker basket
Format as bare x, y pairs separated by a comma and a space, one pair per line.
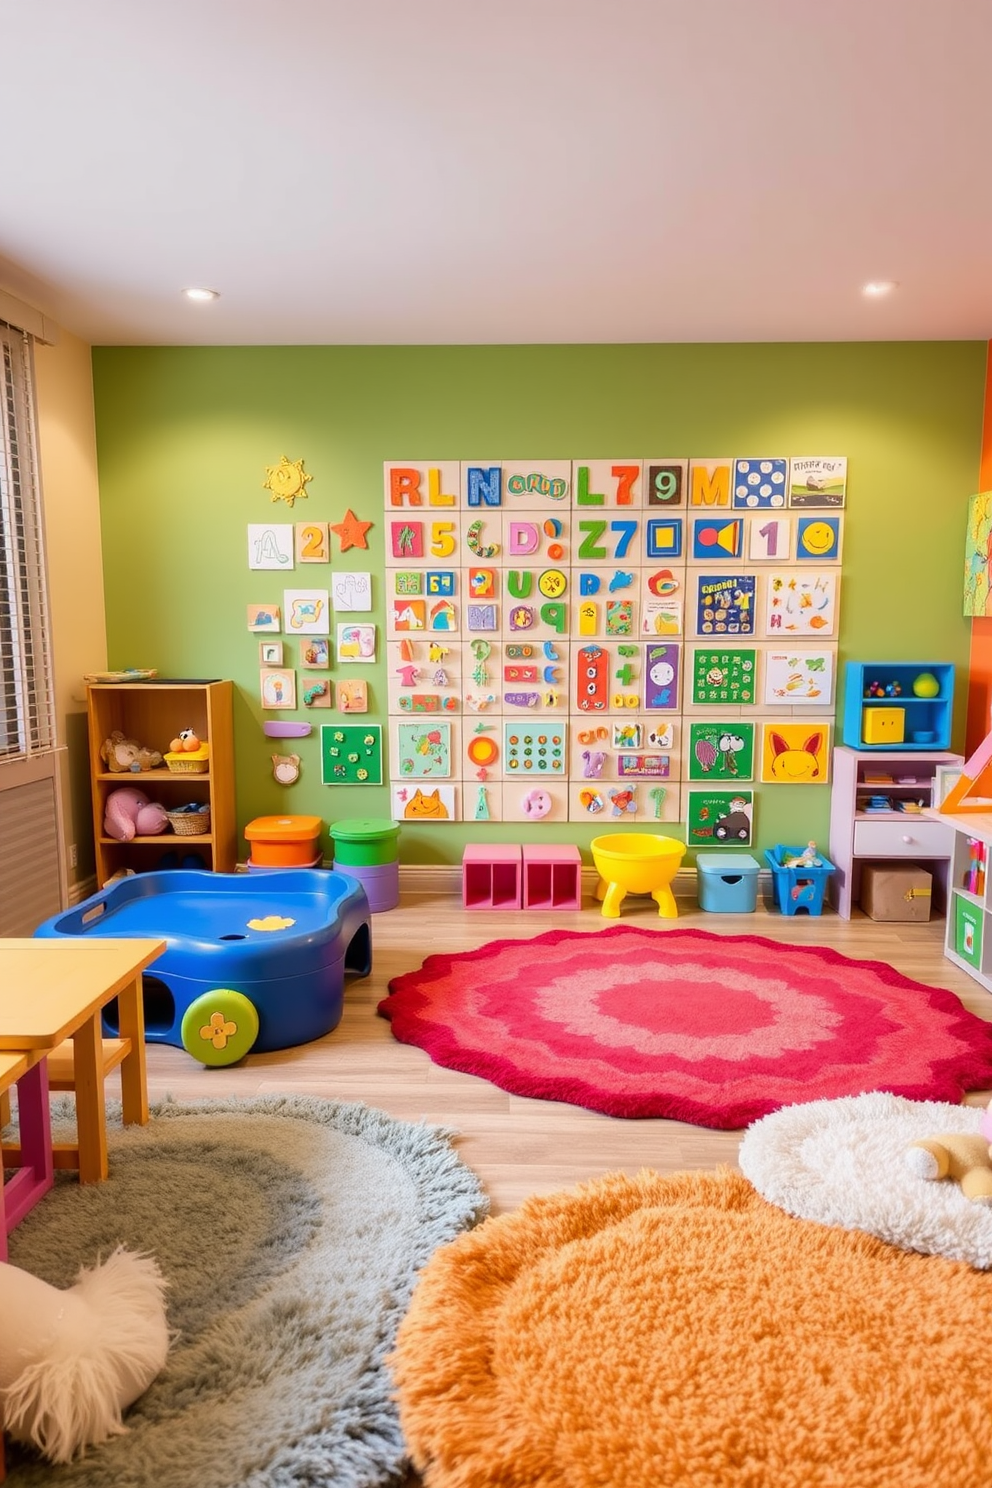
189, 823
195, 762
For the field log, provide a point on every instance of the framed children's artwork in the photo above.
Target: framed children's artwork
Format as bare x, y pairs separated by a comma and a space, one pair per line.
817, 480
270, 653
719, 818
352, 591
661, 617
978, 556
795, 753
270, 545
442, 615
264, 617
801, 602
278, 688
723, 675
662, 676
351, 754
356, 643
418, 803
308, 611
802, 677
352, 697
409, 614
721, 751
944, 777
315, 653
725, 604
423, 750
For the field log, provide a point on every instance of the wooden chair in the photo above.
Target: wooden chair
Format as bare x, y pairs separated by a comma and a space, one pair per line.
61, 1073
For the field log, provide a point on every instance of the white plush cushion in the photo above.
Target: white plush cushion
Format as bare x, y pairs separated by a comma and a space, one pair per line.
843, 1162
72, 1361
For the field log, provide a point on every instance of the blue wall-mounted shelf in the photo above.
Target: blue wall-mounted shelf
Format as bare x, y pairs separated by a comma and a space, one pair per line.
926, 720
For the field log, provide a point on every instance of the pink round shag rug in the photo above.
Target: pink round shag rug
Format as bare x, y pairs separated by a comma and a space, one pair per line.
717, 1030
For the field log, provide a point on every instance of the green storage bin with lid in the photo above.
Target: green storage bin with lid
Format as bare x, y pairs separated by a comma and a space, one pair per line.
365, 842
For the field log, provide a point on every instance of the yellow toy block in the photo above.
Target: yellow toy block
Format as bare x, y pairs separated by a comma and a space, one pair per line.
883, 725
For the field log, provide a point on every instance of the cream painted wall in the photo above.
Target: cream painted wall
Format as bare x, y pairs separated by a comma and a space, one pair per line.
70, 493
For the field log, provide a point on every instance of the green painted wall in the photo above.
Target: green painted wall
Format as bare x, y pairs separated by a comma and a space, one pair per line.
185, 434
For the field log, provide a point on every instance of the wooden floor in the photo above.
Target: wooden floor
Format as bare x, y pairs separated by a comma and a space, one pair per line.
516, 1145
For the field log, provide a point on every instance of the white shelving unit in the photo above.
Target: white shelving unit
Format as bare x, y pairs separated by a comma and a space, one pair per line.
968, 933
858, 836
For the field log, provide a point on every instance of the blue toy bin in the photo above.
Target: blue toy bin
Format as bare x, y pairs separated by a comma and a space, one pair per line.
727, 882
797, 890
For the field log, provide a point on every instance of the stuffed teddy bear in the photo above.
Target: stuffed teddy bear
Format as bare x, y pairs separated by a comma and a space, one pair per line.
129, 813
965, 1157
126, 756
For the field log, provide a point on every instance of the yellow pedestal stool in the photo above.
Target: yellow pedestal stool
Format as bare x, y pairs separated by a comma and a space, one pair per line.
637, 863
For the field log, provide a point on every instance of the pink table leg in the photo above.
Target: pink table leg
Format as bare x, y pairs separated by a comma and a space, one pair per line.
34, 1176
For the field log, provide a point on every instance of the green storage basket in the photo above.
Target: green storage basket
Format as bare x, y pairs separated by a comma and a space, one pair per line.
365, 842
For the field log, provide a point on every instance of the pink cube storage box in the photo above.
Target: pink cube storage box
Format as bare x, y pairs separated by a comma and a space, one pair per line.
552, 877
491, 876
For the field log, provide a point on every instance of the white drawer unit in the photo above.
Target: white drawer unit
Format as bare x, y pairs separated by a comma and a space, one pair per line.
902, 839
898, 786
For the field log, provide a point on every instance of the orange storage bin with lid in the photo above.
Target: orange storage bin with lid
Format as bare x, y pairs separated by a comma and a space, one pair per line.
284, 841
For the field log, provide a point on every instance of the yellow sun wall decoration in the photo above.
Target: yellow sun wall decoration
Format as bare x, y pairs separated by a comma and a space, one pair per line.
286, 481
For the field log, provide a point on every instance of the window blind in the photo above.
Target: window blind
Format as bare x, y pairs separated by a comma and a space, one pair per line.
27, 714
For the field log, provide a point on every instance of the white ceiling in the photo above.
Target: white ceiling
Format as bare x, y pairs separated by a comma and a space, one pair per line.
449, 171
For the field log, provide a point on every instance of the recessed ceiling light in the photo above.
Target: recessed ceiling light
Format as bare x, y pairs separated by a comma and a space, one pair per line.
876, 289
202, 294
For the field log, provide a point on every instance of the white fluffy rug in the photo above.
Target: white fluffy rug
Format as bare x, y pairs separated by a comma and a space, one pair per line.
842, 1162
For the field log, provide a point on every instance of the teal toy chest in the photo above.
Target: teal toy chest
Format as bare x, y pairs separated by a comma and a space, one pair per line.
727, 882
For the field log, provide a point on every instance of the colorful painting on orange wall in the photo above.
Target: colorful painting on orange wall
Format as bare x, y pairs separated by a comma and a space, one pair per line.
978, 556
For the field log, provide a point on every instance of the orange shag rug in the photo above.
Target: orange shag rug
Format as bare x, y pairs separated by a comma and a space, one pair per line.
635, 1332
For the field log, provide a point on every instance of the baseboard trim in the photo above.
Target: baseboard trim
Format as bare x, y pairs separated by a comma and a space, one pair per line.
446, 878
81, 889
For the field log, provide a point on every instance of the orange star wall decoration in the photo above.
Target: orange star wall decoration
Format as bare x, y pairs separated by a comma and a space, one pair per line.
351, 532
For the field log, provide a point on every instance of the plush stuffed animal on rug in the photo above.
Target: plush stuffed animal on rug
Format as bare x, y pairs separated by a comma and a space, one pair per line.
964, 1157
72, 1361
129, 813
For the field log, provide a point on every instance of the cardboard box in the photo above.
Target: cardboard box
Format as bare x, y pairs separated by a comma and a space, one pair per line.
891, 891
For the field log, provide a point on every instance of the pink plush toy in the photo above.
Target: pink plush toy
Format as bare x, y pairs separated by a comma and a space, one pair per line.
129, 813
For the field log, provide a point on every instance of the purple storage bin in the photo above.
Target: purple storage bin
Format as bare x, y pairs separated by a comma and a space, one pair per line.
381, 883
274, 868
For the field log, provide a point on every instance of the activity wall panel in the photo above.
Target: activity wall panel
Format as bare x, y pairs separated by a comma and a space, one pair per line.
555, 630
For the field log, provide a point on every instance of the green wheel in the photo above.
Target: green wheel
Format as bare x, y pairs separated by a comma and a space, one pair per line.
220, 1027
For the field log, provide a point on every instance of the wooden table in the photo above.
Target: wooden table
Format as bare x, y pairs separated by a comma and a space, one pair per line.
53, 990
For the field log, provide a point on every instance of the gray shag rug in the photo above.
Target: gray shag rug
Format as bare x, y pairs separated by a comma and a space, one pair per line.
291, 1231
